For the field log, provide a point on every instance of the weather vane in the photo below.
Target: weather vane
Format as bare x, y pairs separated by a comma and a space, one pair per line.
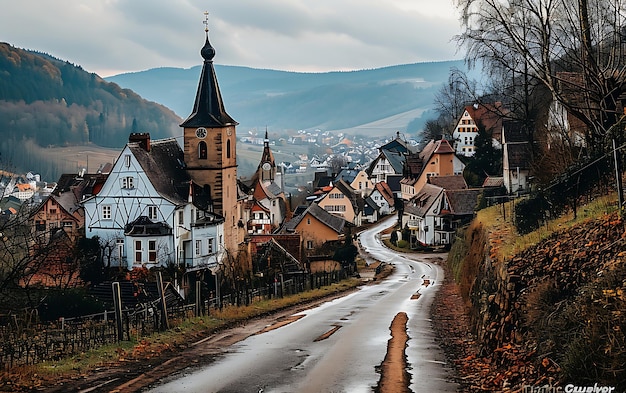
206, 21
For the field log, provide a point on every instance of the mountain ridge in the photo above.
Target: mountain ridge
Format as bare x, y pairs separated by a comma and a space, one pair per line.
288, 100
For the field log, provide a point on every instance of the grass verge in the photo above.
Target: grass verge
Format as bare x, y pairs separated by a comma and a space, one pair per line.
179, 335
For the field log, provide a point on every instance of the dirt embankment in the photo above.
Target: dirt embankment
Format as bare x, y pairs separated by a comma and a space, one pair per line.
550, 316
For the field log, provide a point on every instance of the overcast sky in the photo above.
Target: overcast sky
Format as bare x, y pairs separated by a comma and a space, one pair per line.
113, 36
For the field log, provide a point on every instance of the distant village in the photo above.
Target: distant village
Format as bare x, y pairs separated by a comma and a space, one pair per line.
167, 204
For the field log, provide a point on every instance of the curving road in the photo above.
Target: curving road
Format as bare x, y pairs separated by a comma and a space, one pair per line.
296, 357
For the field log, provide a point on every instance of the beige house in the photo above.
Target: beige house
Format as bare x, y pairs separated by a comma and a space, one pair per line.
341, 201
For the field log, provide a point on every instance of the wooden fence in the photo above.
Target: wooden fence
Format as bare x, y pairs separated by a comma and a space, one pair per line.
38, 342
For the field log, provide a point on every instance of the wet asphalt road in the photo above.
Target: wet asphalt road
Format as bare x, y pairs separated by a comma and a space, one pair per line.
289, 359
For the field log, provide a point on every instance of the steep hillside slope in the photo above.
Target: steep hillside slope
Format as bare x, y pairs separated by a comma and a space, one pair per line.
49, 102
553, 313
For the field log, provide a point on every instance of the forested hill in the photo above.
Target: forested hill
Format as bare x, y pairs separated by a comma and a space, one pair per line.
49, 102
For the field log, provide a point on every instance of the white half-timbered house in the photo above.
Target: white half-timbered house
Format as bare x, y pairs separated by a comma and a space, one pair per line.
149, 213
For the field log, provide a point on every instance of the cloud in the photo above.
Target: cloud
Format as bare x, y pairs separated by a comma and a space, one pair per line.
111, 36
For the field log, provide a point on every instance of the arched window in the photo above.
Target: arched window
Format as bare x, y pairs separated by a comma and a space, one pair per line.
228, 148
202, 150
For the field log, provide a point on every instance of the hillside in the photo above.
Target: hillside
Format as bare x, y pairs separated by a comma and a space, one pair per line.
49, 102
549, 312
284, 100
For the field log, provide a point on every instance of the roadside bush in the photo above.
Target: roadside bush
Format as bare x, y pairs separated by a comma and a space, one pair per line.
402, 243
69, 303
529, 214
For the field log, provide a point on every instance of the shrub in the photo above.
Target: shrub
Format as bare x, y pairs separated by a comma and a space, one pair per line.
69, 303
529, 214
402, 243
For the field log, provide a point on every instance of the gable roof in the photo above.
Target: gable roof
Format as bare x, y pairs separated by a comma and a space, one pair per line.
488, 116
163, 165
413, 166
369, 206
453, 182
71, 189
384, 190
347, 174
346, 189
463, 202
395, 159
397, 145
421, 203
335, 223
494, 181
433, 147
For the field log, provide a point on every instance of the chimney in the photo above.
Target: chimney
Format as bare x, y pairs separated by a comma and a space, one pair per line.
143, 138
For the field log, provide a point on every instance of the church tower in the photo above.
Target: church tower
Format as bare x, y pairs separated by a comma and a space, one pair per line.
209, 147
267, 166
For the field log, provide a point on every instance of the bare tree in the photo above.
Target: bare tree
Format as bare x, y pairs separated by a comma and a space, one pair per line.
452, 97
574, 49
25, 260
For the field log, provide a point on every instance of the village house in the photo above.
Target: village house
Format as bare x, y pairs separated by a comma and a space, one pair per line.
341, 201
390, 161
383, 197
436, 159
434, 214
357, 179
62, 209
266, 202
316, 227
516, 158
487, 116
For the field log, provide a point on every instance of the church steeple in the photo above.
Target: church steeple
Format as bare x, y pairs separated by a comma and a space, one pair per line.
210, 148
208, 109
267, 166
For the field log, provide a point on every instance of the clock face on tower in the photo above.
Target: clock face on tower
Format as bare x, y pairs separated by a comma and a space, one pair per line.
267, 166
201, 132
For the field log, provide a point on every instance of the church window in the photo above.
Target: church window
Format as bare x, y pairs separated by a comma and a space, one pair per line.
202, 150
228, 148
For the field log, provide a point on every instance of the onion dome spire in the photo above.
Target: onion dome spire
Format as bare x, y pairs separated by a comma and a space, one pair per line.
208, 108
